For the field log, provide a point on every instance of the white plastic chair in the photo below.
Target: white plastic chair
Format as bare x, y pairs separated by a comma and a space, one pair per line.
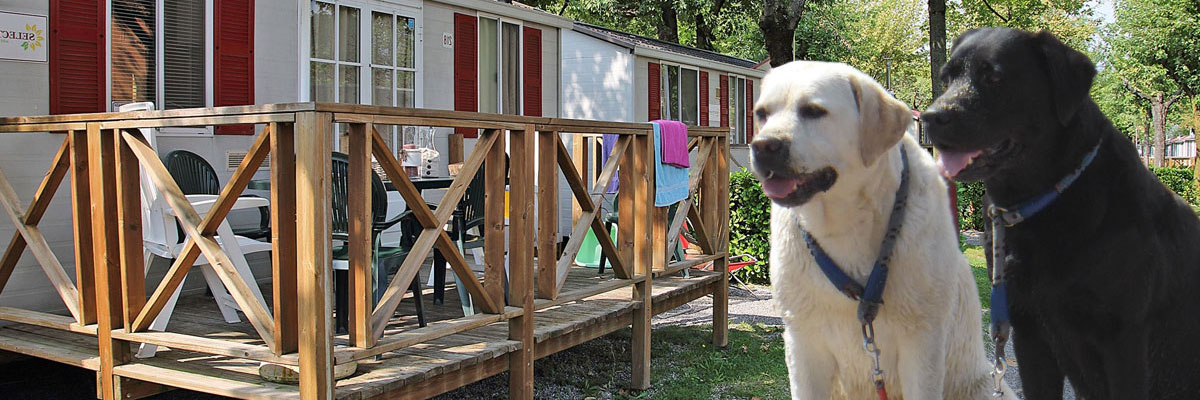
161, 238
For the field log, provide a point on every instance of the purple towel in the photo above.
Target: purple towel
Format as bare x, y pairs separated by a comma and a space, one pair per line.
607, 142
674, 143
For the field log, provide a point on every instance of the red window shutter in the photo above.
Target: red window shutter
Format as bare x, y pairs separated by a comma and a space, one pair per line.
533, 72
749, 106
703, 98
233, 66
724, 97
466, 68
654, 92
77, 71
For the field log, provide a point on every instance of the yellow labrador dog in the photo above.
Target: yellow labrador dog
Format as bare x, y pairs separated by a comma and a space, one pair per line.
829, 155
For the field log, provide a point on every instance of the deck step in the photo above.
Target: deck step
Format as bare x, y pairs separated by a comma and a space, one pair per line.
63, 347
207, 383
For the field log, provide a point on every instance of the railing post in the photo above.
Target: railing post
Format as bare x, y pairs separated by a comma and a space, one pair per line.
520, 260
313, 174
547, 207
642, 157
359, 194
106, 253
283, 236
81, 200
493, 217
129, 213
718, 210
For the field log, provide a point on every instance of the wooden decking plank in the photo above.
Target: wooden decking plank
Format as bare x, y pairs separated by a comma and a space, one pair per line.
457, 359
206, 383
50, 348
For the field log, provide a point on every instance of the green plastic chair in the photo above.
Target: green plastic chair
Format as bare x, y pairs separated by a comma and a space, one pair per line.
589, 253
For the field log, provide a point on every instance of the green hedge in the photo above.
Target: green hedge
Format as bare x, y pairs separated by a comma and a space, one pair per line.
970, 205
749, 224
1182, 181
970, 195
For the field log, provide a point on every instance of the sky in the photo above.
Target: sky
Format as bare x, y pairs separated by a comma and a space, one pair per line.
1104, 9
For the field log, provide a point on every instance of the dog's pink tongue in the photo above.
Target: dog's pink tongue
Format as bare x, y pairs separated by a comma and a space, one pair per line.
953, 162
777, 188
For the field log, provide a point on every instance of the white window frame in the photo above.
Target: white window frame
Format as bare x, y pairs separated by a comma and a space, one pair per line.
395, 67
159, 51
366, 8
737, 125
500, 21
665, 87
410, 9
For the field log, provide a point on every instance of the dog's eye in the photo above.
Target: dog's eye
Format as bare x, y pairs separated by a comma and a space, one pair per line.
760, 115
812, 111
988, 72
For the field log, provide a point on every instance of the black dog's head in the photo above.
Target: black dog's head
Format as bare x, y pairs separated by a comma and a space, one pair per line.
1008, 93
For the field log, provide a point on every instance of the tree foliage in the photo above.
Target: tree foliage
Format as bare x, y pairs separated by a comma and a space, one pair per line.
1073, 21
1152, 49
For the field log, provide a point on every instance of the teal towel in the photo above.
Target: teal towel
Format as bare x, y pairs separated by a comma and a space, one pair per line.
670, 182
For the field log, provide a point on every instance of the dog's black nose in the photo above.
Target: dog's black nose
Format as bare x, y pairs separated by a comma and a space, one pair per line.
770, 153
764, 145
936, 116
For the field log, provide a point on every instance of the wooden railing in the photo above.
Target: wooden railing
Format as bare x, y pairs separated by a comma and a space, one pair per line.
105, 155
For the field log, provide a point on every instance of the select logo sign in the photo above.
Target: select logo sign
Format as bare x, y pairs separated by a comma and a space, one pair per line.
22, 37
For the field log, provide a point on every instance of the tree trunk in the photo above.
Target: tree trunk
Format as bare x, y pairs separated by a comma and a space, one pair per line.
1158, 117
937, 44
704, 35
704, 30
668, 27
778, 25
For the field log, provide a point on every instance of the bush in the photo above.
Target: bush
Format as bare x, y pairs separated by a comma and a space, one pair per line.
1179, 180
749, 224
970, 205
970, 195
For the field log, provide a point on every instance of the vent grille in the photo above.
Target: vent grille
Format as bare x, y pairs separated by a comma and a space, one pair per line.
234, 159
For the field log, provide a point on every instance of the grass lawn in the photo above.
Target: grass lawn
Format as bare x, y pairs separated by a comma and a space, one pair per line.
976, 257
1196, 209
684, 365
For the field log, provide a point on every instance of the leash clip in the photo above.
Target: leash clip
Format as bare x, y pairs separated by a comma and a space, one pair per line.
868, 331
998, 378
1000, 334
1005, 216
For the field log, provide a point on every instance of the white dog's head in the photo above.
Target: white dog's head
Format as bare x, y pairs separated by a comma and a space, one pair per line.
820, 121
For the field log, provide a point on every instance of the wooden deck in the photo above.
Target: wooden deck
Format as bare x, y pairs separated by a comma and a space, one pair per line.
106, 161
420, 370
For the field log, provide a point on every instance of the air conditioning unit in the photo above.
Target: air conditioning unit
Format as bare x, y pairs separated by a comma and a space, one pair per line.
233, 159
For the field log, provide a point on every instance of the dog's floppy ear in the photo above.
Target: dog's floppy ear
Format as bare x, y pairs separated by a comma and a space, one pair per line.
882, 118
1070, 74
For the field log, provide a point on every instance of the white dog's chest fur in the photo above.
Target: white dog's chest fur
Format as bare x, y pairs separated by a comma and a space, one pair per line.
930, 320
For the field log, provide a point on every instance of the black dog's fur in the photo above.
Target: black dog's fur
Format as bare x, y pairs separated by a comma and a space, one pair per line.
1102, 282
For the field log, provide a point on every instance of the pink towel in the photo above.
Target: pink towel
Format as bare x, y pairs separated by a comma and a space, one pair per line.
674, 143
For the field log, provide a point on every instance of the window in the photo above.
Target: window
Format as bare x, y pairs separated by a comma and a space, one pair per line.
737, 110
133, 45
334, 67
681, 99
169, 70
184, 47
361, 55
499, 66
393, 60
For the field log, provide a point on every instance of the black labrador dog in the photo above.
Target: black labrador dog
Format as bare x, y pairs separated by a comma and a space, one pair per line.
1102, 281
